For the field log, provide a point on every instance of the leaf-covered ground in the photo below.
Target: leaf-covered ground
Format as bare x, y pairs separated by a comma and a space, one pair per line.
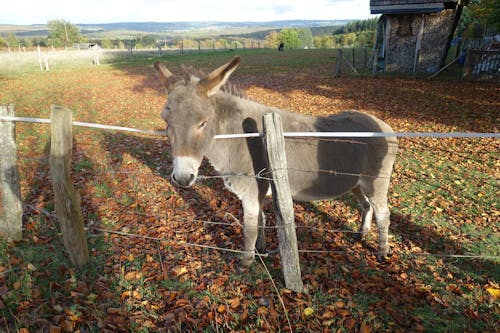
147, 272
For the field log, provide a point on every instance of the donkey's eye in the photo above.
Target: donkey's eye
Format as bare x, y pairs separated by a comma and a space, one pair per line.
202, 125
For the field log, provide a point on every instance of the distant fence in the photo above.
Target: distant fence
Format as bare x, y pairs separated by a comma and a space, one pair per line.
482, 65
67, 200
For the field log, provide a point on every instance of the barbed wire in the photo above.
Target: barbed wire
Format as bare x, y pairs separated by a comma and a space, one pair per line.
211, 247
324, 136
463, 154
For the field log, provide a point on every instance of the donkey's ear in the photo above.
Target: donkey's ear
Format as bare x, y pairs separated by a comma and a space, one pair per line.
164, 74
211, 84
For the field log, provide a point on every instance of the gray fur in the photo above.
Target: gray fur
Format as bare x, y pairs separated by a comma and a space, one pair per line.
318, 168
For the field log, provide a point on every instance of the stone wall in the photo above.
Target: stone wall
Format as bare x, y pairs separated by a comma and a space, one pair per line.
401, 41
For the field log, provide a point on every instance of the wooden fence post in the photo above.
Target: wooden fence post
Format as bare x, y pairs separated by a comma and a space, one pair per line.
353, 58
375, 62
467, 71
339, 63
10, 195
283, 204
95, 55
366, 57
67, 200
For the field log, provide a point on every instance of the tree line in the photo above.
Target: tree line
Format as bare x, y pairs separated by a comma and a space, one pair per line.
479, 18
62, 33
353, 34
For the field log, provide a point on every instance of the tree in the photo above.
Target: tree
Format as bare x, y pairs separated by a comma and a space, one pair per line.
290, 38
26, 42
39, 41
11, 41
487, 12
305, 37
272, 39
106, 44
147, 41
323, 42
348, 39
63, 33
478, 18
119, 44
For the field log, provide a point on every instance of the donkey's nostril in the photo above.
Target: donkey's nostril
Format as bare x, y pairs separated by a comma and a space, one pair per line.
173, 178
191, 178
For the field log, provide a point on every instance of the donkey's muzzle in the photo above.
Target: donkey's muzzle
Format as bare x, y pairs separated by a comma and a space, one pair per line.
184, 180
185, 170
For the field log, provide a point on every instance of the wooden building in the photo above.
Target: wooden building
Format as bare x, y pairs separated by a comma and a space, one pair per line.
414, 36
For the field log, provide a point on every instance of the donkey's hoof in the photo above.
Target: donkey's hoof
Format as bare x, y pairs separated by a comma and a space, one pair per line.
242, 269
383, 256
262, 250
359, 236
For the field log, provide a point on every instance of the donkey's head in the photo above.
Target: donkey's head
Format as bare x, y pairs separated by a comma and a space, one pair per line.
190, 116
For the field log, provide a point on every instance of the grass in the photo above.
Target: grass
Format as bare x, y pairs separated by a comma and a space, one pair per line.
31, 260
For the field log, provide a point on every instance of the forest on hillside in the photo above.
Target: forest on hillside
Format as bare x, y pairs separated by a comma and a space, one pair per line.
479, 18
61, 33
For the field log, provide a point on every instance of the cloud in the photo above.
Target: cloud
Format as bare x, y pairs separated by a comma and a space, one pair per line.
102, 11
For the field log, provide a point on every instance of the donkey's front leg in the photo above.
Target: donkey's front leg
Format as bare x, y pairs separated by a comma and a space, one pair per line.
251, 216
261, 234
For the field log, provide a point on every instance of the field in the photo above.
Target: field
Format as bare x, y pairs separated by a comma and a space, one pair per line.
143, 274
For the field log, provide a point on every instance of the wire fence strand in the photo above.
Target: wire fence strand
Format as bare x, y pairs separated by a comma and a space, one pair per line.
285, 134
269, 253
344, 137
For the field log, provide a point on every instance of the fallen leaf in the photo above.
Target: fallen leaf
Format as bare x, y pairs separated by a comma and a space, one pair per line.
134, 275
234, 303
308, 312
494, 292
364, 328
55, 329
349, 323
221, 308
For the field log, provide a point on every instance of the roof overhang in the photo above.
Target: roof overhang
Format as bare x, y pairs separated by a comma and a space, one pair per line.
408, 8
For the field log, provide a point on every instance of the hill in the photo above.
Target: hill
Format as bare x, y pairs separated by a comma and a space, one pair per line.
170, 29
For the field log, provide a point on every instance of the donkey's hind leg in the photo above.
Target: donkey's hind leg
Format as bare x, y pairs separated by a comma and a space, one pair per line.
260, 246
367, 209
377, 196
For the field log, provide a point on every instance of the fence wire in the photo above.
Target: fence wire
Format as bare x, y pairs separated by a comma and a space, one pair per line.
263, 174
269, 253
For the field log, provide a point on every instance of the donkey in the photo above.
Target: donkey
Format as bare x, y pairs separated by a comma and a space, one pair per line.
199, 108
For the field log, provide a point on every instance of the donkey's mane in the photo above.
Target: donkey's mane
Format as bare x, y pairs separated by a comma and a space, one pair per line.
228, 87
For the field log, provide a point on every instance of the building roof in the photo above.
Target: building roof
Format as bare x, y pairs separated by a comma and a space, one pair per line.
409, 6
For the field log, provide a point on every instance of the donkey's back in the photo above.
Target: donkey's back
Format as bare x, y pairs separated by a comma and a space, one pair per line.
322, 168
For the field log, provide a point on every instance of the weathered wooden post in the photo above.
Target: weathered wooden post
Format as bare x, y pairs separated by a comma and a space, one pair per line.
283, 204
67, 200
349, 64
366, 57
39, 57
11, 210
353, 58
339, 63
375, 62
467, 71
95, 56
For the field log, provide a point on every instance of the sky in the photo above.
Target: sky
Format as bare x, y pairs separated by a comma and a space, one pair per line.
108, 11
